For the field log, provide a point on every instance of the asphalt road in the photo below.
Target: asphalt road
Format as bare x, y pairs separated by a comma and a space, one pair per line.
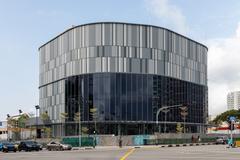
213, 152
101, 154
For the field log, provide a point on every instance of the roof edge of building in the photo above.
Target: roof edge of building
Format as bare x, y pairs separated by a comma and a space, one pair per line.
109, 22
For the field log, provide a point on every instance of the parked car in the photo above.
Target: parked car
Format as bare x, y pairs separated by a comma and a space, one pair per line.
1, 146
40, 146
16, 144
56, 146
8, 146
28, 146
222, 140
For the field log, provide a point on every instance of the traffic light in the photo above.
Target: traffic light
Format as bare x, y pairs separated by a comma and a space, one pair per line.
184, 111
231, 120
231, 126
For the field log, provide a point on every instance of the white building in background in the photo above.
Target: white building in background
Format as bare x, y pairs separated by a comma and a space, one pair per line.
233, 100
3, 130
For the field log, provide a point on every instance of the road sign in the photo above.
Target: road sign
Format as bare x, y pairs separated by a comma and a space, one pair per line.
232, 118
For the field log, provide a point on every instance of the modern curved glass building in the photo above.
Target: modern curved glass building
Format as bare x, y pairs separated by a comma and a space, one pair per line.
126, 72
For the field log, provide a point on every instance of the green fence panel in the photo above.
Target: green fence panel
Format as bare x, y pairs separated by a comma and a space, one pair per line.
139, 139
175, 141
74, 141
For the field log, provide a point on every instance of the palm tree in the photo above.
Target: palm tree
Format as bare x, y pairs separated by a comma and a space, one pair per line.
31, 115
63, 116
45, 118
179, 128
85, 130
12, 125
93, 112
76, 119
22, 122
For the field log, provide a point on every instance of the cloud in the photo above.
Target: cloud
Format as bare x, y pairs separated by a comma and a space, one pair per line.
238, 30
223, 69
223, 54
168, 14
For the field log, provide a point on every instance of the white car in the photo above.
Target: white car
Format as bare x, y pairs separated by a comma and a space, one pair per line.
222, 140
56, 146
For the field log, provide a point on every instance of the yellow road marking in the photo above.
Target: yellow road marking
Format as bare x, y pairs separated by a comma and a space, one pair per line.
127, 154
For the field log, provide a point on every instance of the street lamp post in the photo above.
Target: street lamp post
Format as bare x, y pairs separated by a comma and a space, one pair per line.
19, 125
8, 118
37, 107
165, 109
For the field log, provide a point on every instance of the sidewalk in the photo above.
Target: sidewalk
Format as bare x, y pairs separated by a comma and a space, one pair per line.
140, 146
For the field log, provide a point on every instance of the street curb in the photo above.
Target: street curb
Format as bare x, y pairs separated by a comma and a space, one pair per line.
186, 144
158, 146
137, 147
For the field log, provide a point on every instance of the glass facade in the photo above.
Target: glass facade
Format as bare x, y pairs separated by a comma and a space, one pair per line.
127, 71
126, 99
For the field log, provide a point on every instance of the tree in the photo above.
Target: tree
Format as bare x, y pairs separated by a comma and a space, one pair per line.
84, 130
31, 115
93, 112
22, 122
48, 131
179, 128
76, 119
223, 116
45, 118
13, 127
63, 116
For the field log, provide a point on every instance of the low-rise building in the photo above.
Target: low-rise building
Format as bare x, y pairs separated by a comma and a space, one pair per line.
3, 130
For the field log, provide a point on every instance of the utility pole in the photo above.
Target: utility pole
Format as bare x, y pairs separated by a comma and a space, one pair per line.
19, 124
37, 108
8, 119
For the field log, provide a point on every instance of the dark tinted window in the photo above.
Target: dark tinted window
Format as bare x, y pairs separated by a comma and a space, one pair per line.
122, 97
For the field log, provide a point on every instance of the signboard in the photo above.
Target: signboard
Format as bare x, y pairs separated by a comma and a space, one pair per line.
232, 118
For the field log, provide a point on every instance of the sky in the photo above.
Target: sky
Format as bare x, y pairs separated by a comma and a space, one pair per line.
27, 24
